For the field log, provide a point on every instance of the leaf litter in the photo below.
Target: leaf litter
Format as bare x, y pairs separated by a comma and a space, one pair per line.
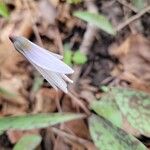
122, 59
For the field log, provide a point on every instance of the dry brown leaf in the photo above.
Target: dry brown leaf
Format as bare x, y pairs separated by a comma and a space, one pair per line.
78, 127
134, 55
55, 2
46, 100
62, 145
11, 109
14, 85
47, 12
15, 135
19, 24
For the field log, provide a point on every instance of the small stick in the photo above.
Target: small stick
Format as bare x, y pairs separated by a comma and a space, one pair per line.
79, 102
82, 141
35, 29
131, 19
123, 2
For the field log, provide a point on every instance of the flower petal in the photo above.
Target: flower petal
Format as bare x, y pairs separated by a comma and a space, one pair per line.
46, 60
53, 78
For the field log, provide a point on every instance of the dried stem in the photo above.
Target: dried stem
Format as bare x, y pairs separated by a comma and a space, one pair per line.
79, 103
82, 141
88, 39
131, 19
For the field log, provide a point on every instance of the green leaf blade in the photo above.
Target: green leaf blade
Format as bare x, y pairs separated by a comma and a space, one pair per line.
108, 108
35, 121
28, 142
96, 19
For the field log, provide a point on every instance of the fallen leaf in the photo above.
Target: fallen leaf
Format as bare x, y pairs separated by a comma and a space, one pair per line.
15, 135
14, 85
134, 55
78, 127
46, 100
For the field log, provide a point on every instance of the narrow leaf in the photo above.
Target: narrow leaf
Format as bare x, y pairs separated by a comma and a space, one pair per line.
99, 20
3, 10
35, 121
106, 136
28, 142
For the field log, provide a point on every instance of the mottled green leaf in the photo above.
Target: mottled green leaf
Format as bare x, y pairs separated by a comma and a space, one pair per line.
28, 142
35, 121
3, 10
108, 108
139, 4
79, 58
97, 19
106, 136
135, 105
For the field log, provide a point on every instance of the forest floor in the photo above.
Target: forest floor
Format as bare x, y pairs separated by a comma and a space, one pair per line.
120, 60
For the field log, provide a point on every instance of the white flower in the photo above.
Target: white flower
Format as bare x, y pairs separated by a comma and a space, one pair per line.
47, 63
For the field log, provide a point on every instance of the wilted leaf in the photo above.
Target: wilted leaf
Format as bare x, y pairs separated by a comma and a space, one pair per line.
35, 121
135, 105
106, 136
28, 142
108, 108
139, 4
79, 58
99, 20
3, 10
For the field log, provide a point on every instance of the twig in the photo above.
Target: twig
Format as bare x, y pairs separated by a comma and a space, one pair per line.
131, 19
34, 27
82, 141
79, 102
123, 2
